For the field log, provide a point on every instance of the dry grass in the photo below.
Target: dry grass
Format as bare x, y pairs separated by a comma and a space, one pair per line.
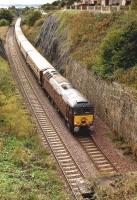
20, 155
3, 32
118, 187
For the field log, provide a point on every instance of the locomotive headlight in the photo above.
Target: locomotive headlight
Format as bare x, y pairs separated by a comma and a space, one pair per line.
76, 123
76, 129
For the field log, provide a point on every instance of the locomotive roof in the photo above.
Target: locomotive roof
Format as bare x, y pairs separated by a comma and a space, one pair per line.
70, 95
75, 98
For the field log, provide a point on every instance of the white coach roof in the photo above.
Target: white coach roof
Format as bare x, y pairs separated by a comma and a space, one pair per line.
39, 60
27, 46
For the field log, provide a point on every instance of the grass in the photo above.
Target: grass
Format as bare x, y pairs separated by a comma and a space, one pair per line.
118, 187
3, 32
27, 171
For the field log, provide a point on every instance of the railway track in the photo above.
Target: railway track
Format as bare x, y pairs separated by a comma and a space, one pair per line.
50, 136
65, 160
100, 160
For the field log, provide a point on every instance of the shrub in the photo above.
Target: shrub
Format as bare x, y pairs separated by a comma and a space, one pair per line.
128, 77
4, 22
119, 49
6, 14
39, 22
32, 17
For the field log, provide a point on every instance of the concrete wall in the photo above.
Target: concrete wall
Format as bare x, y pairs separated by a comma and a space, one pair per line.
114, 103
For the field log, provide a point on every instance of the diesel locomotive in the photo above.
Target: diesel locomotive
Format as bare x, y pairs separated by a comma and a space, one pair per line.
75, 108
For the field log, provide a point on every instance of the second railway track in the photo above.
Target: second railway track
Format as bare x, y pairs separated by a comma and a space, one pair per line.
100, 160
65, 160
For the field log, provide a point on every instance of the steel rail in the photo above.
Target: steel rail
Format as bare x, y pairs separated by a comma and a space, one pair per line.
102, 163
64, 158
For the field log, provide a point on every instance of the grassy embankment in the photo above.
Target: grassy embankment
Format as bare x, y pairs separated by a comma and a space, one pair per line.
26, 169
105, 43
118, 187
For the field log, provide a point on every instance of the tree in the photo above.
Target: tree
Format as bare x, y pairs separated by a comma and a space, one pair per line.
6, 14
119, 49
32, 17
4, 22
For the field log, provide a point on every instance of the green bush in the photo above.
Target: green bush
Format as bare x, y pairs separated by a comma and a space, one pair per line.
4, 22
119, 48
32, 17
6, 14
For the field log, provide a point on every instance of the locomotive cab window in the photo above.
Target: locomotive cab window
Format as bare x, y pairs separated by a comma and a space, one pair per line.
82, 110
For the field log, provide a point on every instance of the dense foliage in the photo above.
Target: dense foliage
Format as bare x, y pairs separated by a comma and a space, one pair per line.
119, 49
32, 16
6, 15
57, 4
4, 22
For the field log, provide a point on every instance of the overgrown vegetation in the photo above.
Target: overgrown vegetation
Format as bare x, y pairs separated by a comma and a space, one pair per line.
117, 187
31, 16
56, 5
127, 147
6, 17
31, 32
26, 169
134, 5
105, 43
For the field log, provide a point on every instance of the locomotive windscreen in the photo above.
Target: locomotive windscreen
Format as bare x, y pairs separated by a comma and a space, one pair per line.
82, 110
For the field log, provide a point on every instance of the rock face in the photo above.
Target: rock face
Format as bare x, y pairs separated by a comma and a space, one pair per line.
114, 103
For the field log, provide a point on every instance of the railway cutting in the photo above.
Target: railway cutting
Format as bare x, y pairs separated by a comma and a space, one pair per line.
66, 162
